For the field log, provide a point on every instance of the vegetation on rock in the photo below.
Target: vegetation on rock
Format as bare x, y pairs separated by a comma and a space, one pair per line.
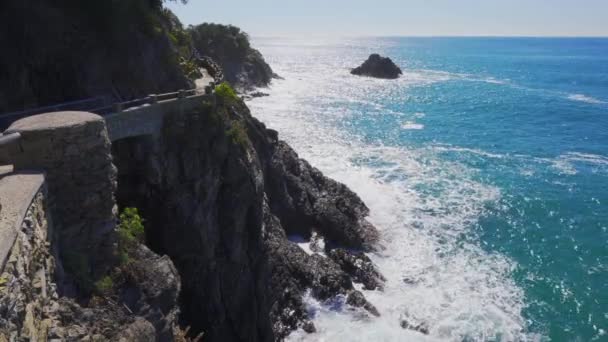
104, 285
226, 93
238, 133
130, 233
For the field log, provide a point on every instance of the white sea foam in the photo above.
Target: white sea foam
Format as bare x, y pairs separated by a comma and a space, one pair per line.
421, 203
584, 98
449, 148
568, 163
411, 125
594, 159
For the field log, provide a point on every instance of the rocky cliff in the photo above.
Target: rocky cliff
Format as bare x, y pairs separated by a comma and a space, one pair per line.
244, 67
64, 50
221, 194
63, 279
222, 198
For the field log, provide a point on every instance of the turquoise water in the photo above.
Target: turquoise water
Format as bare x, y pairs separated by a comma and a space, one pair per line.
485, 167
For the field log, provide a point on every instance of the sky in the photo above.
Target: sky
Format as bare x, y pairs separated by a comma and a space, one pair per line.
402, 17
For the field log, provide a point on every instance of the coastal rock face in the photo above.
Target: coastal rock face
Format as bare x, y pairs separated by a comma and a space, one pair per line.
73, 148
58, 51
243, 66
221, 194
31, 308
379, 67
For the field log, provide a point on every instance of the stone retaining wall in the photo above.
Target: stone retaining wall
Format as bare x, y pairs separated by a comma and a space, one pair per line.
148, 119
26, 280
73, 149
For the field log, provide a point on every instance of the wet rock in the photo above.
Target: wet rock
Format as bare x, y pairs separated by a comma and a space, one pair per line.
258, 94
317, 243
303, 199
420, 327
359, 266
378, 67
357, 299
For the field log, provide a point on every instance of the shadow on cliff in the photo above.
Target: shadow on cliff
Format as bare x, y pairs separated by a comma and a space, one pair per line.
220, 194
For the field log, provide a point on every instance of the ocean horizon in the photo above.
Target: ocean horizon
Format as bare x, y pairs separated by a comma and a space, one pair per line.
485, 166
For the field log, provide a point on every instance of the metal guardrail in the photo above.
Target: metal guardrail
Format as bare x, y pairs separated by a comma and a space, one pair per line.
104, 110
102, 105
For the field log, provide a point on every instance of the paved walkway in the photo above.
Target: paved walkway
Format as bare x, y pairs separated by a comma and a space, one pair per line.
17, 190
204, 81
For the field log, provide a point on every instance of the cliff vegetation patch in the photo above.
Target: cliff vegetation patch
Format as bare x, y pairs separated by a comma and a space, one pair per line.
226, 93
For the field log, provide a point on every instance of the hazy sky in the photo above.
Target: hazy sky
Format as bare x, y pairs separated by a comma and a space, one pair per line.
403, 17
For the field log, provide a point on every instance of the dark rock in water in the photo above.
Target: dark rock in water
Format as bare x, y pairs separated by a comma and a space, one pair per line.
379, 67
359, 266
258, 94
303, 198
420, 327
253, 95
357, 299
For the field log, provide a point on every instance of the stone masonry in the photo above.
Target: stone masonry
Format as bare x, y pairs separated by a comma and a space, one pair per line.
74, 150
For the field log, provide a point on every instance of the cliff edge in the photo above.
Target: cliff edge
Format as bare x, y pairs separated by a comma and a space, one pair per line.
244, 67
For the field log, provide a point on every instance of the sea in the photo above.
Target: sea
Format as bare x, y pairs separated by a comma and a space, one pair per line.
485, 168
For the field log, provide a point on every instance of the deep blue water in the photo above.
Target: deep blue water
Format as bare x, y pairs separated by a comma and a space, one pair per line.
497, 149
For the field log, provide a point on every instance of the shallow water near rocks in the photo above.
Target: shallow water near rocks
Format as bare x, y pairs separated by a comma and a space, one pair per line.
485, 167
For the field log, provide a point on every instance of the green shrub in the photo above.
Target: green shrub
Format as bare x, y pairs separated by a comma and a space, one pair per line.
238, 133
190, 69
226, 93
130, 233
104, 285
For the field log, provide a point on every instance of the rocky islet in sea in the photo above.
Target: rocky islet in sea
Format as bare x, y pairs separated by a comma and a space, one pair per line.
378, 67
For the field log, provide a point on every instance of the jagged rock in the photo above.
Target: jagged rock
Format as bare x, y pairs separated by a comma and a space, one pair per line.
379, 67
152, 292
359, 266
303, 198
258, 94
293, 272
221, 209
138, 331
420, 327
357, 299
243, 66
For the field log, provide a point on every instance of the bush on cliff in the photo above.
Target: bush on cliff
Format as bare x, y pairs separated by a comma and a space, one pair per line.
130, 233
238, 133
226, 93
